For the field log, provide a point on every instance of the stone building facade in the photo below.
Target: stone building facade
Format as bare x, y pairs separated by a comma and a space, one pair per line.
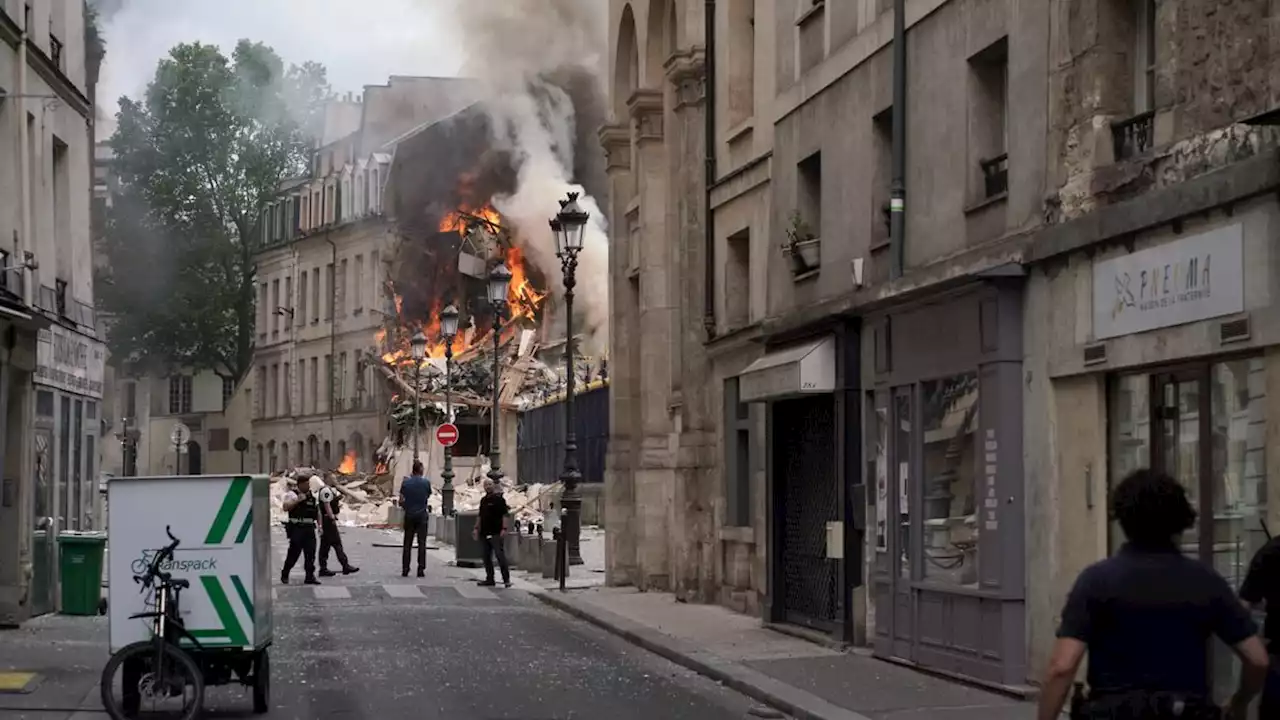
322, 282
921, 462
51, 357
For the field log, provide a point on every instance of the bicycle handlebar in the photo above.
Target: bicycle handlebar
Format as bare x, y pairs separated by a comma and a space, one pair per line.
165, 554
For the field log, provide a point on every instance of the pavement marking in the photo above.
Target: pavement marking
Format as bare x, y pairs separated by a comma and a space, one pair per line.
403, 592
475, 592
16, 682
332, 592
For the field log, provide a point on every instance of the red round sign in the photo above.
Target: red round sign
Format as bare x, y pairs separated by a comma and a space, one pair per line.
447, 434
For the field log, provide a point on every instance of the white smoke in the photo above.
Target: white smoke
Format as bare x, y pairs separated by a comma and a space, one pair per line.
511, 47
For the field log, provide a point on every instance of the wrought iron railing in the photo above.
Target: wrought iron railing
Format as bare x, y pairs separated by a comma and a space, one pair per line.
1133, 137
995, 175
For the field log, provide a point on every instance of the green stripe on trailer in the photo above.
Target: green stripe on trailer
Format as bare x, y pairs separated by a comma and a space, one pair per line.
226, 513
243, 593
245, 527
222, 606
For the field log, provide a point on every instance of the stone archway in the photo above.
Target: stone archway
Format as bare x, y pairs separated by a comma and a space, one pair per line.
661, 40
626, 64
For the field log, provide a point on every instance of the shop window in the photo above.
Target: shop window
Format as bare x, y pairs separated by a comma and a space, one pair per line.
63, 488
180, 395
77, 513
1238, 392
44, 404
950, 507
902, 445
879, 439
1129, 432
738, 469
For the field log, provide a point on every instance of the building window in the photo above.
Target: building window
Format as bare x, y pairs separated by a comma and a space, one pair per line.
988, 127
302, 387
315, 385
881, 189
357, 295
55, 51
342, 380
228, 389
738, 468
333, 292
1133, 136
315, 296
274, 398
262, 311
737, 280
328, 374
275, 304
342, 291
375, 286
742, 60
809, 192
60, 297
302, 298
260, 405
180, 395
952, 509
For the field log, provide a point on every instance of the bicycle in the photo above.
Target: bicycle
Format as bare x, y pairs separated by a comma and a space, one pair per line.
157, 669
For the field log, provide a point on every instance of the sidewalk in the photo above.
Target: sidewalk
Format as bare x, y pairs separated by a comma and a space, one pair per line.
802, 679
51, 667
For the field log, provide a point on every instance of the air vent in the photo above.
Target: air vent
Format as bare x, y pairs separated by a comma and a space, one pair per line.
1094, 354
1233, 331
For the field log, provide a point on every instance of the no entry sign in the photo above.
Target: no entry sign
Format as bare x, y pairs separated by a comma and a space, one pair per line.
447, 434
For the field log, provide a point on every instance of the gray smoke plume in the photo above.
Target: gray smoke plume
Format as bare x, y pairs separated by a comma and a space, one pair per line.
542, 63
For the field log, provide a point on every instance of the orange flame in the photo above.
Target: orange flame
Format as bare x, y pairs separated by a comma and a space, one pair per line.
348, 465
463, 218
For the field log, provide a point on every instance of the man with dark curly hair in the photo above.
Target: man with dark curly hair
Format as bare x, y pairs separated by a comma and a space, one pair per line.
1145, 617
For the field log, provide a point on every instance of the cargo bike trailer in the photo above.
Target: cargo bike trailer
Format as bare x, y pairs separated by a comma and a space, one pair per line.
203, 615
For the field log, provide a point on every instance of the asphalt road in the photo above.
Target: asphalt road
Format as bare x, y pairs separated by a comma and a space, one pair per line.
376, 645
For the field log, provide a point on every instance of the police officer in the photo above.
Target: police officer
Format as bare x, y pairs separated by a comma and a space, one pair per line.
330, 536
1261, 589
1145, 617
300, 527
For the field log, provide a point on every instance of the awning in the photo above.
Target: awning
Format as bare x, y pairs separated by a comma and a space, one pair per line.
808, 368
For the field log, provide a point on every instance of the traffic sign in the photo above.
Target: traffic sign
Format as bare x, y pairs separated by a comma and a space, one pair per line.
447, 434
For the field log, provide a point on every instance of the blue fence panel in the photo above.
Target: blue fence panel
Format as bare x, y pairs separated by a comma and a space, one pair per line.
540, 438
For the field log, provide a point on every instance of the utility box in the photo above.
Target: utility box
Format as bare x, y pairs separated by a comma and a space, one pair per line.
223, 523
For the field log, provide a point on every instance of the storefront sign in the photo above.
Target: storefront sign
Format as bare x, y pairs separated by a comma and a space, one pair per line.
1190, 279
69, 361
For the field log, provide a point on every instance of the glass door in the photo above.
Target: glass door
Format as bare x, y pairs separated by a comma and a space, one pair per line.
1180, 409
902, 547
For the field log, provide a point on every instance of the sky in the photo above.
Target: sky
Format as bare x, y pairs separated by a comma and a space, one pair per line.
360, 42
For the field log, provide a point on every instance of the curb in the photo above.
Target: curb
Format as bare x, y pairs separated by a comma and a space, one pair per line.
752, 683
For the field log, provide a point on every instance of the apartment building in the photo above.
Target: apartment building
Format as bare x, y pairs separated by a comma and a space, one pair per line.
321, 283
51, 360
918, 458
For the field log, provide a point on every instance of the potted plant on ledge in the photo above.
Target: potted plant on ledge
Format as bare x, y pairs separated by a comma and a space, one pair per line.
802, 245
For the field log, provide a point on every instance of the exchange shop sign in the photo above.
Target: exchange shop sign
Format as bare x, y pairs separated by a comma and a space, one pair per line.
1190, 279
70, 361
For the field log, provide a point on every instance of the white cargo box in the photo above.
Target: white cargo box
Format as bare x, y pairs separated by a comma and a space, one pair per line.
224, 525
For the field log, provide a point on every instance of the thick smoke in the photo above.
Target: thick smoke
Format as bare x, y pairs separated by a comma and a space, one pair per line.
542, 62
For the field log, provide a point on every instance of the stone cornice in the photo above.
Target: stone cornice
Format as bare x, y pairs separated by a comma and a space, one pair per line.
646, 108
686, 70
615, 138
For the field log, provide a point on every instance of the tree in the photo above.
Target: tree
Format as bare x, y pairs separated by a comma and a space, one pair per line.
197, 159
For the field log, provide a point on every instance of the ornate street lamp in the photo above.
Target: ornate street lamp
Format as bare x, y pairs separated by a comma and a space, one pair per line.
418, 350
499, 282
569, 227
448, 330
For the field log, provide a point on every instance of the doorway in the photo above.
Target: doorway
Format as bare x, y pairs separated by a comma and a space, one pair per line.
1205, 425
44, 538
195, 461
807, 498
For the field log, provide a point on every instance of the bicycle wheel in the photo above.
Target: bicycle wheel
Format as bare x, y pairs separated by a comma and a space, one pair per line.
157, 680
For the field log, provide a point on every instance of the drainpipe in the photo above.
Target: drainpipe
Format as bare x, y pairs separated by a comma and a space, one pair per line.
333, 336
898, 187
24, 165
709, 114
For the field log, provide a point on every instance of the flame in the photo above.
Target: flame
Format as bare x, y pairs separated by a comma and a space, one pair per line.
523, 298
348, 465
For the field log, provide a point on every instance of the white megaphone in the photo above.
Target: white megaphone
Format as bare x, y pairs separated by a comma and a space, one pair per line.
327, 494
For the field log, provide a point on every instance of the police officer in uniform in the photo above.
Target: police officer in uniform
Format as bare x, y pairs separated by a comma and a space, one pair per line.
1261, 589
300, 527
1145, 617
330, 535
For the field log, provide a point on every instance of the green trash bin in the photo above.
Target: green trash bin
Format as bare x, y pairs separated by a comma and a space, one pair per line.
80, 564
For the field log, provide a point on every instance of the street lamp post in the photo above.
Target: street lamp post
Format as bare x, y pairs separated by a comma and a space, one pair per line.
568, 226
499, 281
418, 350
448, 330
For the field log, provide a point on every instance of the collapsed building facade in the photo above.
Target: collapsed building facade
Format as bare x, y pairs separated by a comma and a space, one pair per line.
920, 460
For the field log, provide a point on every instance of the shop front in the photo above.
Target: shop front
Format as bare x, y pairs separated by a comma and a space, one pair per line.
1182, 342
814, 498
944, 461
68, 392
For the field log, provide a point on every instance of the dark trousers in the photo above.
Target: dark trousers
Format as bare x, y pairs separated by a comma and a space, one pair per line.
1269, 705
302, 541
415, 527
331, 538
493, 545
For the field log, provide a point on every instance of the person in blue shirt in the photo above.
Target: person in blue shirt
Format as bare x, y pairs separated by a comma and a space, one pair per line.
414, 492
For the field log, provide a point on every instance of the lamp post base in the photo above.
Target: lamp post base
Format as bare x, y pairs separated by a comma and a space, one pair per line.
571, 503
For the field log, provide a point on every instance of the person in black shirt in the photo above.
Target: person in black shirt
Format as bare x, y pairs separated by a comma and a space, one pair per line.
331, 536
1261, 589
491, 528
1145, 617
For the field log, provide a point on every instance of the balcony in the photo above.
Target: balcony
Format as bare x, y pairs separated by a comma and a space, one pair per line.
1133, 137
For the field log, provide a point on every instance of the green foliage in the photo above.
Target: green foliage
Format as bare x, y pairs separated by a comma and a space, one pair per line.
197, 159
